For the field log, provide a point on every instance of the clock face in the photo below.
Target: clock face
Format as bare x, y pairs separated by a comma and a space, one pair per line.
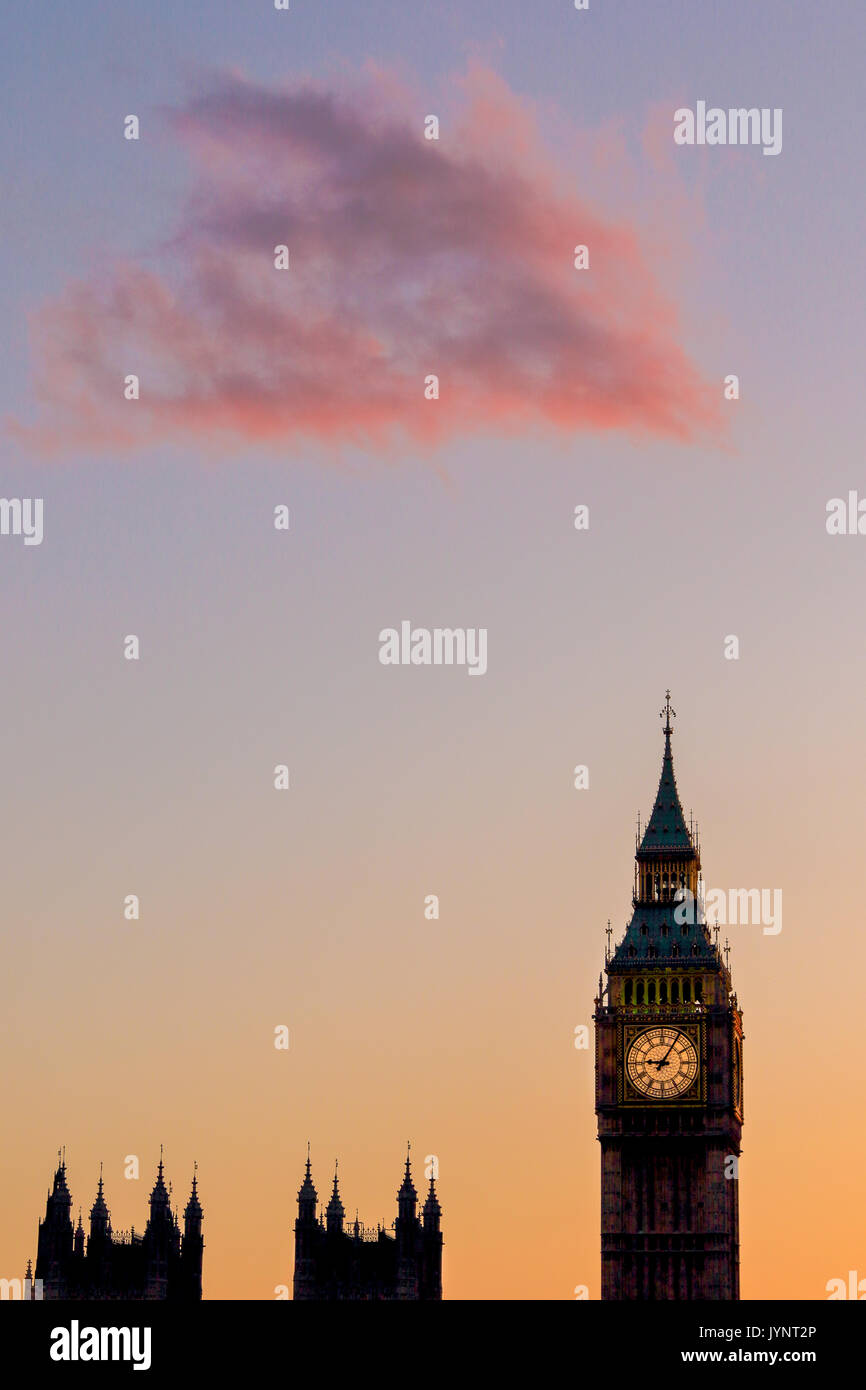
662, 1062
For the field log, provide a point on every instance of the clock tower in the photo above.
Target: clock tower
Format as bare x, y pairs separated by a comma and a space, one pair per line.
669, 1088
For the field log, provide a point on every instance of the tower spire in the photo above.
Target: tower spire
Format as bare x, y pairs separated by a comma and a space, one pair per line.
666, 828
307, 1195
100, 1220
407, 1196
159, 1197
192, 1210
667, 874
432, 1209
335, 1212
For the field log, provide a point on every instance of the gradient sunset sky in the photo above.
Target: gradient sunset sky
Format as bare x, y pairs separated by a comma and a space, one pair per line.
260, 647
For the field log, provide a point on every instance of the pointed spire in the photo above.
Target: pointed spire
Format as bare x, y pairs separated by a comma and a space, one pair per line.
431, 1205
408, 1187
335, 1195
59, 1197
78, 1237
667, 872
666, 828
407, 1197
99, 1216
307, 1184
334, 1213
307, 1194
193, 1206
60, 1175
159, 1198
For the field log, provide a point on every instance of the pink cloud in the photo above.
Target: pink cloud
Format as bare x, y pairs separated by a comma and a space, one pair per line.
409, 257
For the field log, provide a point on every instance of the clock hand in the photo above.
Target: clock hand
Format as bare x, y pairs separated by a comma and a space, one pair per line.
669, 1051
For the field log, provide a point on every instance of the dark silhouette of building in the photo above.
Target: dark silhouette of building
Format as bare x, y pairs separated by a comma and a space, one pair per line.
160, 1264
333, 1263
669, 1079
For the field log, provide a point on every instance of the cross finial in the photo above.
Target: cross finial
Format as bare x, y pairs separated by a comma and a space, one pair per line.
666, 713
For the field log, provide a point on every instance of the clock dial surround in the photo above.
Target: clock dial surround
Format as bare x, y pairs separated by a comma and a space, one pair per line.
662, 1062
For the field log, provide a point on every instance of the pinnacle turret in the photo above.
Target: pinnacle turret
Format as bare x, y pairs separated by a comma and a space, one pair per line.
432, 1210
160, 1203
60, 1190
307, 1195
407, 1197
78, 1237
192, 1211
100, 1220
335, 1212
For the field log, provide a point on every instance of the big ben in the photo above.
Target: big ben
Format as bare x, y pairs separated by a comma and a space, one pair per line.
669, 1088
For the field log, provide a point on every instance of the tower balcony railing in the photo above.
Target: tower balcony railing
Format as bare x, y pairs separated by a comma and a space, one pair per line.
690, 1007
658, 895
